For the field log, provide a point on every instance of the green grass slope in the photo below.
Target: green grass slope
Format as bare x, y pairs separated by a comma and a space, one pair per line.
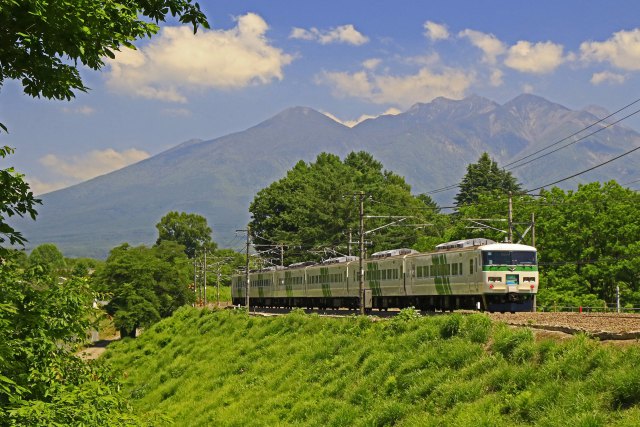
227, 369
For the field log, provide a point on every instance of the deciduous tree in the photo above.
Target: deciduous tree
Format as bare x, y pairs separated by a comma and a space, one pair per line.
42, 42
146, 284
315, 206
189, 230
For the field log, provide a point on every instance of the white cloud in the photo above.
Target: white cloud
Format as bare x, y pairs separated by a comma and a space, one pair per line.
607, 77
427, 60
536, 58
496, 78
403, 91
372, 64
89, 165
342, 34
488, 43
435, 31
83, 110
527, 88
622, 50
177, 61
39, 187
362, 118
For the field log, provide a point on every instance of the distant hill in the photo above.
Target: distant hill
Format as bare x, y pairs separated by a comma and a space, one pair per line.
430, 144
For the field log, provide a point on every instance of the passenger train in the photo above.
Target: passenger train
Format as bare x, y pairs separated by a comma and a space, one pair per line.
477, 274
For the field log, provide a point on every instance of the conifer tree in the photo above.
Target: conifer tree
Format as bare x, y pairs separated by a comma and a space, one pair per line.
485, 177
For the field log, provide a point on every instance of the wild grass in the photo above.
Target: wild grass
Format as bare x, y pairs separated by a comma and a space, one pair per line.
224, 368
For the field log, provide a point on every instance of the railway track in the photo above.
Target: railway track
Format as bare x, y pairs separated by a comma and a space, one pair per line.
604, 326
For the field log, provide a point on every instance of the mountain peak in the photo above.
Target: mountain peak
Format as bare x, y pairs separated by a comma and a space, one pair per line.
298, 114
442, 107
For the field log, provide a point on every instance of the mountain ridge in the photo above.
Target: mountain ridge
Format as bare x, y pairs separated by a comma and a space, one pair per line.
430, 144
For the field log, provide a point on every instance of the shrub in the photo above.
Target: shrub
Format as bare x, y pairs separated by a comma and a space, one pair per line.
450, 326
509, 342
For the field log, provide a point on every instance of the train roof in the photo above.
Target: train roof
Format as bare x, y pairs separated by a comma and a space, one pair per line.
507, 247
461, 244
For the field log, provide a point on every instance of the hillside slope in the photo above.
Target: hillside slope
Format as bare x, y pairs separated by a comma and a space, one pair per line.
228, 369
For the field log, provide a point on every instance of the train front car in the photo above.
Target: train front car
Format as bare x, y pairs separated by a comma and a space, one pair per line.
510, 277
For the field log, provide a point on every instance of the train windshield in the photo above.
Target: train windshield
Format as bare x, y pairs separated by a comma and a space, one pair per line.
508, 257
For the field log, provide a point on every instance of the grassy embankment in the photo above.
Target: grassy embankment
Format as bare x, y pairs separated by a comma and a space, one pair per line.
224, 368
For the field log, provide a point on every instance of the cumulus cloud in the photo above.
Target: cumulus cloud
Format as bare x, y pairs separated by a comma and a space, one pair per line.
362, 118
89, 165
343, 34
177, 61
536, 58
435, 31
621, 50
403, 90
39, 187
607, 77
496, 78
488, 43
372, 64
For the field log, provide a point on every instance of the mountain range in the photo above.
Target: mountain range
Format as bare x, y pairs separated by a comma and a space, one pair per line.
430, 145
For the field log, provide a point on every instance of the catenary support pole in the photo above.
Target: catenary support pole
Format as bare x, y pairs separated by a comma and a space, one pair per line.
361, 258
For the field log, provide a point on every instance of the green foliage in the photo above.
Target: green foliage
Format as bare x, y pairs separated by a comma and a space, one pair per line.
16, 198
316, 205
43, 42
42, 382
146, 284
587, 240
591, 236
485, 177
189, 230
48, 258
303, 369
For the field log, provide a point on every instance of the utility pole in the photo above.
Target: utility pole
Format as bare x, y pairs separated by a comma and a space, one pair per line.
247, 285
205, 277
350, 237
510, 234
195, 278
281, 255
533, 229
218, 290
361, 258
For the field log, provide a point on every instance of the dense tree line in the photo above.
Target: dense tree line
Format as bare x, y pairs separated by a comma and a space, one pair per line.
587, 238
314, 208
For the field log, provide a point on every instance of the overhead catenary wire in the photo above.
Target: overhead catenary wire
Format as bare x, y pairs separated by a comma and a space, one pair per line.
580, 131
573, 142
584, 171
608, 125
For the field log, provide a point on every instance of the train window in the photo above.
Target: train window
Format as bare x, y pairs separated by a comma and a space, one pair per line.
470, 266
509, 257
460, 268
455, 270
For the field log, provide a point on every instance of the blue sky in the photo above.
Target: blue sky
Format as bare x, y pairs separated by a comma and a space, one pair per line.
349, 59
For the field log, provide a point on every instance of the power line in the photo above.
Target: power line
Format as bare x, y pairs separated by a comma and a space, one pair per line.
571, 143
452, 186
584, 171
580, 131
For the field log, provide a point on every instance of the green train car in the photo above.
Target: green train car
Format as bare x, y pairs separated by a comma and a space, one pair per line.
466, 274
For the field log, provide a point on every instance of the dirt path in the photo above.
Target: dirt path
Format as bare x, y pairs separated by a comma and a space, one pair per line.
97, 348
